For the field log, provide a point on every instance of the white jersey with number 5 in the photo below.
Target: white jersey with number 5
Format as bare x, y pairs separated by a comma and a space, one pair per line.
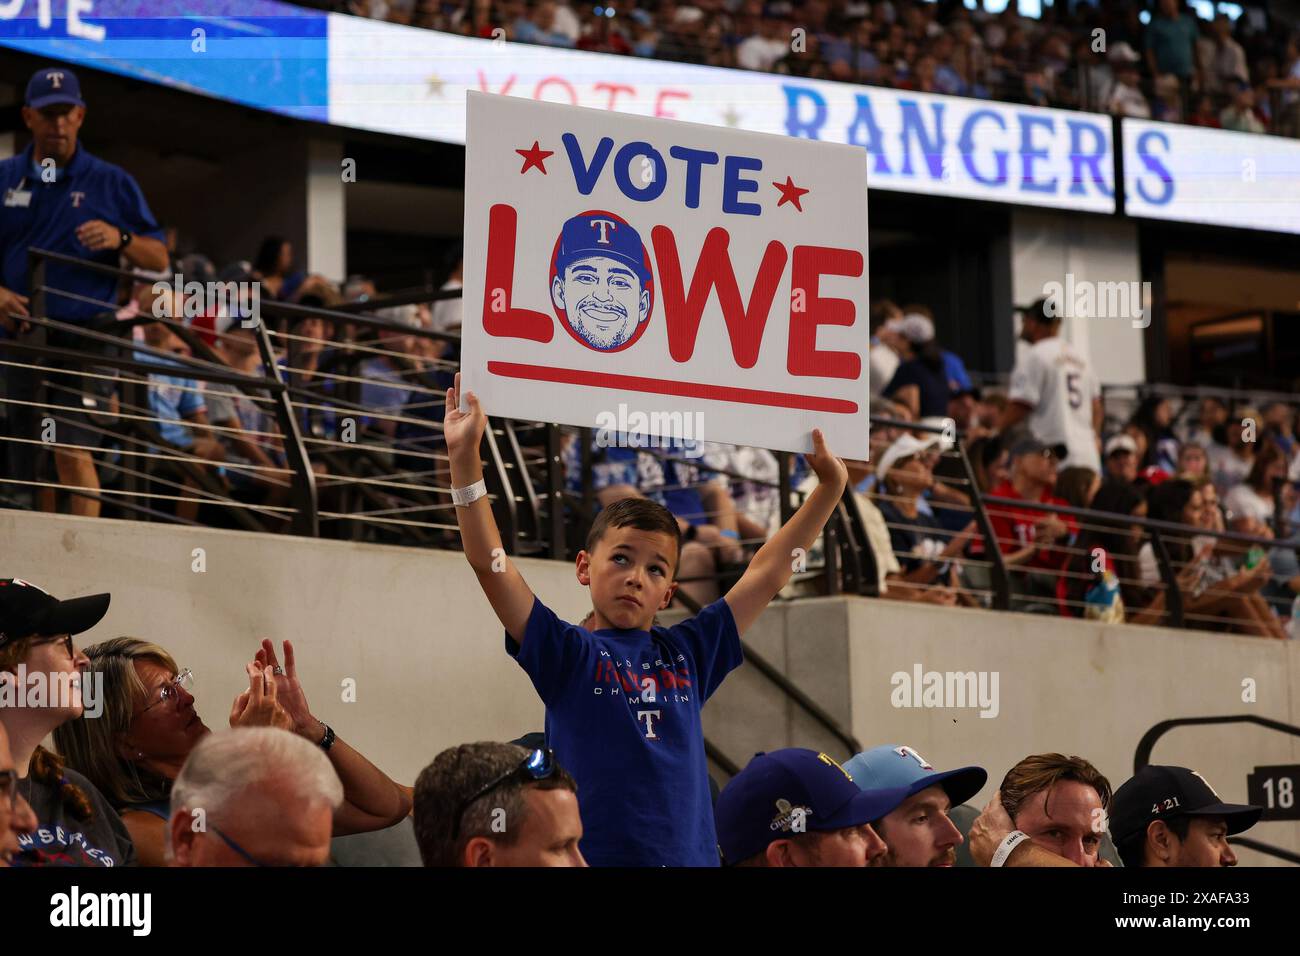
1057, 383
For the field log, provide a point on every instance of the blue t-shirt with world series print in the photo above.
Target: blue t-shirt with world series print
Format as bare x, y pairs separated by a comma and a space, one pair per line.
623, 717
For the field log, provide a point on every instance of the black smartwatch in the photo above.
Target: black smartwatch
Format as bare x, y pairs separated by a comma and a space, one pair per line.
125, 239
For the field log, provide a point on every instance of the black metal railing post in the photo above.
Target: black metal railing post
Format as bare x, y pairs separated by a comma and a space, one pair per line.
303, 492
831, 555
783, 485
1001, 578
36, 283
498, 481
1173, 594
555, 493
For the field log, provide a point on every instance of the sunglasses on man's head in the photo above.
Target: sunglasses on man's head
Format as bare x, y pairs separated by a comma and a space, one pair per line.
247, 857
538, 765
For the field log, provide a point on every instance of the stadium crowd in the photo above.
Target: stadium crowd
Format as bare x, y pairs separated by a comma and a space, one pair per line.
145, 782
1166, 63
142, 781
1195, 463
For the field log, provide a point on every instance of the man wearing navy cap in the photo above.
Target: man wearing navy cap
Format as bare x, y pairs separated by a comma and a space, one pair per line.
59, 197
601, 284
1171, 816
917, 832
798, 807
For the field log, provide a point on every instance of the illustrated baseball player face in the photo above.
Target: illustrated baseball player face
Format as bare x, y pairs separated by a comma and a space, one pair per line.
602, 299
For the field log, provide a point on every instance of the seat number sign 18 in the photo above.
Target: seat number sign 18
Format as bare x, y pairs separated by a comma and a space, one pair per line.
1274, 788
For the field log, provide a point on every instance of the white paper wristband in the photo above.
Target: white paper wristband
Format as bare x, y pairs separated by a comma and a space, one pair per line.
1013, 840
464, 497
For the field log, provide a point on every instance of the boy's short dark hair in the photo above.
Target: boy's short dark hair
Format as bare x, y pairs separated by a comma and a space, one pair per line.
641, 514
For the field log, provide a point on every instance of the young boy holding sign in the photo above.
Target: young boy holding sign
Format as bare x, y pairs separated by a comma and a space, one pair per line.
623, 699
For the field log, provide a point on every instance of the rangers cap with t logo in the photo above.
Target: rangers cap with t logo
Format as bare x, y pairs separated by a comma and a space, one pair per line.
894, 765
53, 84
601, 234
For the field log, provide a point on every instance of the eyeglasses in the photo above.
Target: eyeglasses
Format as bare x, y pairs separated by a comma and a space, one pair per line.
248, 857
66, 641
171, 690
538, 765
9, 787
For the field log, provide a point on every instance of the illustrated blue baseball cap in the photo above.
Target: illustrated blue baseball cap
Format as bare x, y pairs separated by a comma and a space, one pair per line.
53, 84
601, 234
790, 791
892, 766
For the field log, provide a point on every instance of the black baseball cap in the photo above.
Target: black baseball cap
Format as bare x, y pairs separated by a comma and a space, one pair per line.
1032, 446
790, 791
1043, 310
25, 609
53, 84
1161, 793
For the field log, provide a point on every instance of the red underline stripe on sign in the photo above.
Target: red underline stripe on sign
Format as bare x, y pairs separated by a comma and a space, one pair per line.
714, 393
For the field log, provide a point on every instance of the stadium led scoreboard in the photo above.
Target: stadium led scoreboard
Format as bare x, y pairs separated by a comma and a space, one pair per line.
406, 81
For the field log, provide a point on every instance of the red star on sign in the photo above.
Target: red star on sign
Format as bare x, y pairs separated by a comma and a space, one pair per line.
790, 193
534, 157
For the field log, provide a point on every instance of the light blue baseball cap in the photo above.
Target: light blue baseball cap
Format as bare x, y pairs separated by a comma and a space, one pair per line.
893, 765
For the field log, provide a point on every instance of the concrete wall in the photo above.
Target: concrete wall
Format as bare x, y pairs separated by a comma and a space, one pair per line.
412, 630
1063, 685
410, 627
327, 227
1045, 246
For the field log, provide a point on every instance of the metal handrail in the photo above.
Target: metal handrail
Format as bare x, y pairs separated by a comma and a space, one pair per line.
714, 753
1001, 576
1110, 517
769, 670
1142, 756
1267, 848
208, 369
1191, 393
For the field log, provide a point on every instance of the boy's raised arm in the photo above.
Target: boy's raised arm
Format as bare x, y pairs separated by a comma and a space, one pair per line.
507, 592
771, 567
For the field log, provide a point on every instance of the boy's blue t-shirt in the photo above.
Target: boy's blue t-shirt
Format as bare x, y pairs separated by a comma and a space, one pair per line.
623, 717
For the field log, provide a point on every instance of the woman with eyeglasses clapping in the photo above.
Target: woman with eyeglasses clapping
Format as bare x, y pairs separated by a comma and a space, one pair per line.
135, 749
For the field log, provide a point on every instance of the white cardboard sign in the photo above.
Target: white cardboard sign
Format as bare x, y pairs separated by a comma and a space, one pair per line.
648, 272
